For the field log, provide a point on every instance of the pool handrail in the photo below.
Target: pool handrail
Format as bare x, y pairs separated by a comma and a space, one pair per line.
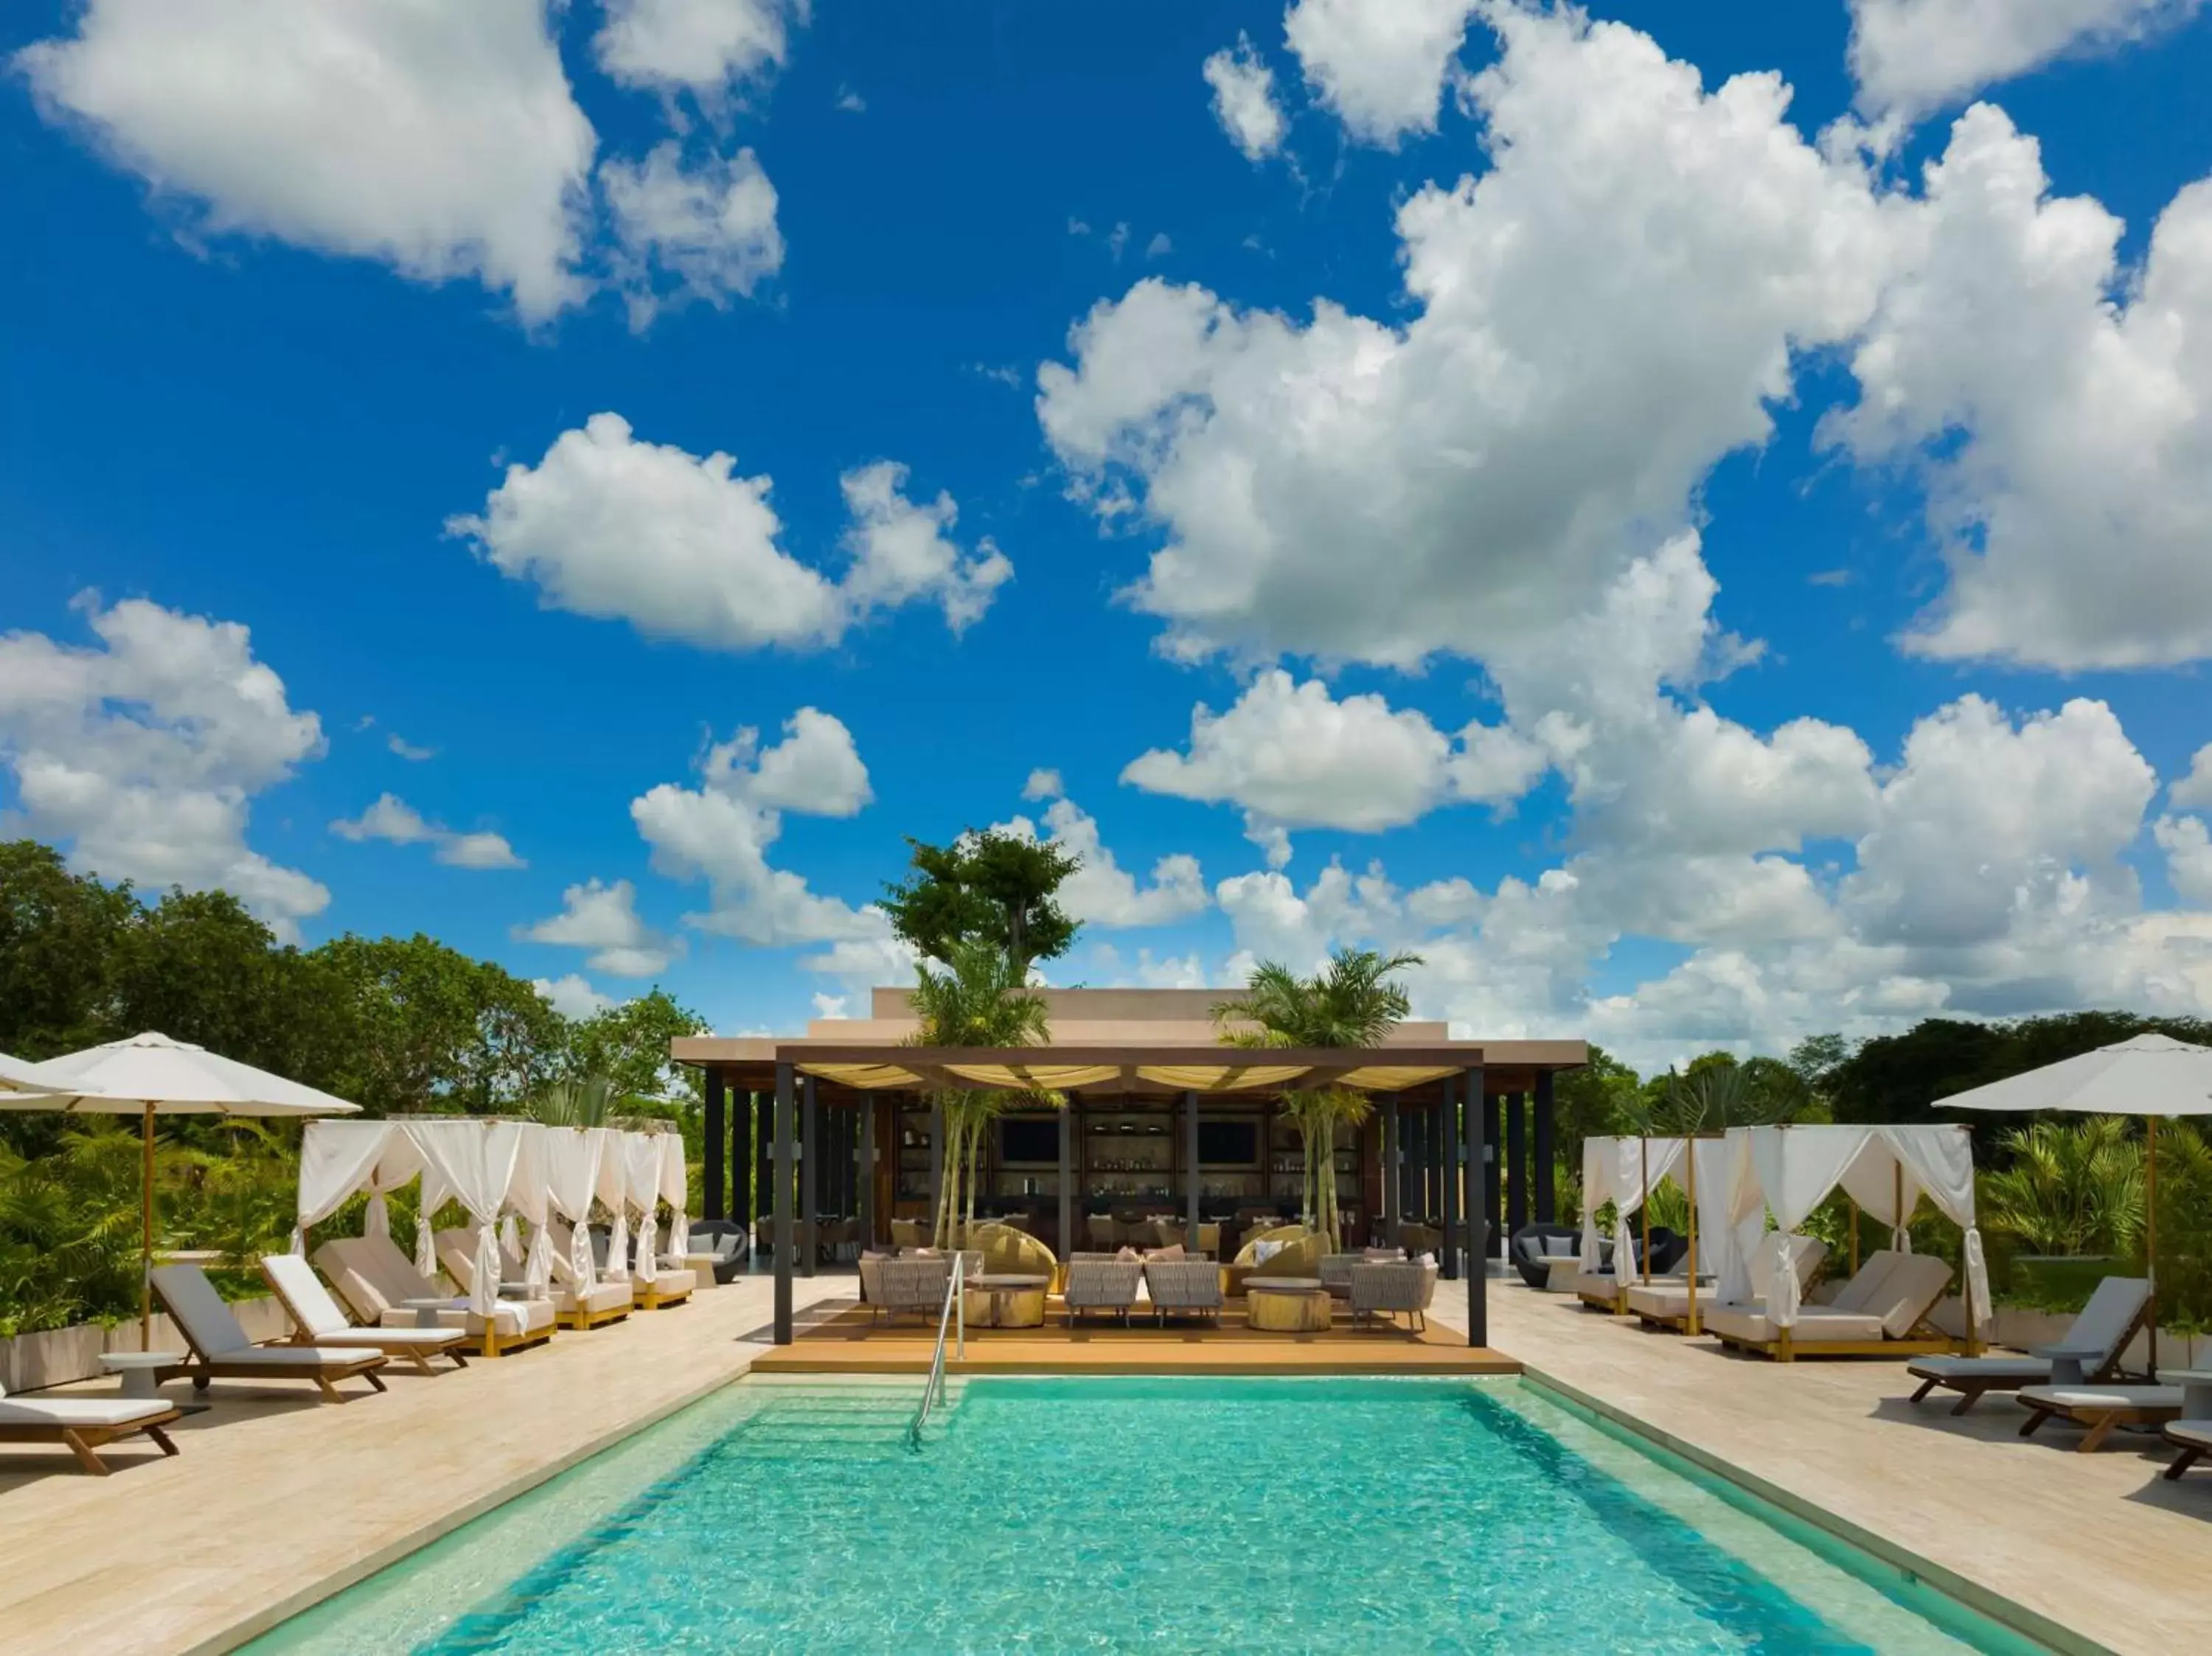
932, 1387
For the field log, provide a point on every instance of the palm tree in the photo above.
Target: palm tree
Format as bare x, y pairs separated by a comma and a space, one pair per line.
1352, 1003
980, 999
2074, 1187
1712, 1100
573, 1101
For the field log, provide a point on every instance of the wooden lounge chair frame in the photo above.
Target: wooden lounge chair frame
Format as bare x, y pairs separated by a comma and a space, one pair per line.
85, 1442
2190, 1454
1974, 1388
323, 1371
2101, 1423
414, 1352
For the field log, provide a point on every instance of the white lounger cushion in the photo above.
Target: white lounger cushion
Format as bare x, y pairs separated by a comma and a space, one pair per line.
512, 1319
375, 1278
317, 1313
600, 1297
394, 1339
276, 1356
68, 1413
1814, 1322
2091, 1397
1979, 1368
2196, 1433
669, 1283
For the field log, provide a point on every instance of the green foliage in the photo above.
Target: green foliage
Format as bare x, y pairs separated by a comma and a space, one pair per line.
1717, 1093
2072, 1187
1352, 1003
989, 887
392, 1024
982, 998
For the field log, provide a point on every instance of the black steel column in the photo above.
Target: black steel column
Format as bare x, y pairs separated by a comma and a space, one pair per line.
711, 1198
810, 1178
1190, 1154
1448, 1166
867, 1213
1516, 1161
780, 1179
1067, 1130
1547, 1208
1394, 1184
1478, 1275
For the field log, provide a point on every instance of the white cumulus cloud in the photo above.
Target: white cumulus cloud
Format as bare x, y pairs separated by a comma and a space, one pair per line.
1912, 56
709, 48
142, 754
1100, 892
392, 820
572, 996
443, 140
604, 919
703, 230
681, 547
1380, 69
1244, 99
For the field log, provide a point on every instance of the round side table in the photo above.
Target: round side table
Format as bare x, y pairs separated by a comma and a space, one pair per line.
141, 1370
1006, 1300
1286, 1305
426, 1311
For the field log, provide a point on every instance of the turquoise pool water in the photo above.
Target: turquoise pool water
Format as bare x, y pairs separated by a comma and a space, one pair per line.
1167, 1515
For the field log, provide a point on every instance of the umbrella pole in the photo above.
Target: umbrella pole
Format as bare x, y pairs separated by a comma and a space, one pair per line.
146, 1239
2150, 1231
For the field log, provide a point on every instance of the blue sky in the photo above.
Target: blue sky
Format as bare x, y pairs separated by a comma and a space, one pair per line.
1689, 572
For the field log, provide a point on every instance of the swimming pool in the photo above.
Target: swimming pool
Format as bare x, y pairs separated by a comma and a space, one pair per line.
1053, 1515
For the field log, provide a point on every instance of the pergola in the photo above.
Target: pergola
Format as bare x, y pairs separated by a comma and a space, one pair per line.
1446, 1074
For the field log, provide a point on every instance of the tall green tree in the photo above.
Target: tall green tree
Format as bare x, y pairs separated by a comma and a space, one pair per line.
57, 933
627, 1045
988, 887
1352, 1003
980, 998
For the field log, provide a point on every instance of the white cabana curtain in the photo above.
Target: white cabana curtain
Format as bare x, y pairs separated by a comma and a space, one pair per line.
614, 1197
572, 1179
1941, 1158
1714, 1160
336, 1158
1623, 1171
641, 1162
1746, 1221
676, 1190
1886, 1170
474, 1162
529, 1193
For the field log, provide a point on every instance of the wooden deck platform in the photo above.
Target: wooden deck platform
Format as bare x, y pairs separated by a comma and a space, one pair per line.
844, 1338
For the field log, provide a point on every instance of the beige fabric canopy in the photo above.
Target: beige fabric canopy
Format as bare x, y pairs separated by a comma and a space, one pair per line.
1215, 1070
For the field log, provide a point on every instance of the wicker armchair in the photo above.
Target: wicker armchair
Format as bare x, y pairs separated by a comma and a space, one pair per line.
912, 1285
1385, 1290
1183, 1288
1101, 1285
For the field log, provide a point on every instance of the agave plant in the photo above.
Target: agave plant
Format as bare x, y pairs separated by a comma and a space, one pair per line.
575, 1101
2073, 1187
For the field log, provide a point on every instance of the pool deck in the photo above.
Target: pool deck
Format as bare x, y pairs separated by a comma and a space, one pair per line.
853, 1343
2097, 1544
275, 1501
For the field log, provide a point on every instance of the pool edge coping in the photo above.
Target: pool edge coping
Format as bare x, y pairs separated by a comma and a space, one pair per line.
1982, 1600
272, 1615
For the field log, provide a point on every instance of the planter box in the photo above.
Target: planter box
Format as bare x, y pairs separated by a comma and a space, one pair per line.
59, 1356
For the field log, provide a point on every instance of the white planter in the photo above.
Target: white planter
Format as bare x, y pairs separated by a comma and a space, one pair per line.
59, 1356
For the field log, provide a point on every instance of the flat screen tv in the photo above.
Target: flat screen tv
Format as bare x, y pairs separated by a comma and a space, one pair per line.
1224, 1144
1037, 1140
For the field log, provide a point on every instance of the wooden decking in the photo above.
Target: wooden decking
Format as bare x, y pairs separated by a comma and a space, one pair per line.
845, 1339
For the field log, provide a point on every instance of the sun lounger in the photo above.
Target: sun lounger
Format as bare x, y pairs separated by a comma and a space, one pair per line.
2193, 1438
1881, 1311
1190, 1288
321, 1322
220, 1349
573, 1303
377, 1280
82, 1425
1109, 1285
2102, 1409
456, 1253
2101, 1331
1666, 1304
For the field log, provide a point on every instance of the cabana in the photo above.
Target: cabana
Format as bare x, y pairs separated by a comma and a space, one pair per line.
1624, 1171
652, 1283
1883, 1311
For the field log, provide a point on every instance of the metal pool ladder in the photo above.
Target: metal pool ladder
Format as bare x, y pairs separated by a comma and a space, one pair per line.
933, 1388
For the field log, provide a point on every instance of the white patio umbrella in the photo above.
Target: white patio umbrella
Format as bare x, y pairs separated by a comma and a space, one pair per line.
2146, 1074
151, 1074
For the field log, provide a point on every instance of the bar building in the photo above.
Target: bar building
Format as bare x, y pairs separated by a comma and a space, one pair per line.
1164, 1121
